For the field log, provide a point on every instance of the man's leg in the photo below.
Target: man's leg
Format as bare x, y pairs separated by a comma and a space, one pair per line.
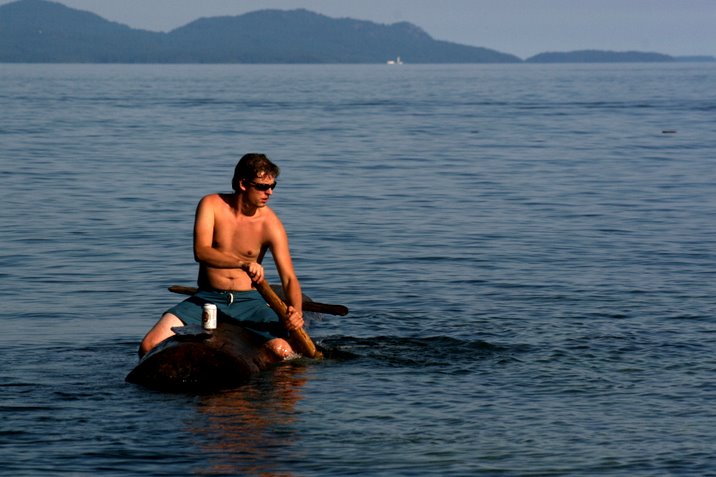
159, 332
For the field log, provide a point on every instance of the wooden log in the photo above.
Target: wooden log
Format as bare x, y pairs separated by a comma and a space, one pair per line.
198, 360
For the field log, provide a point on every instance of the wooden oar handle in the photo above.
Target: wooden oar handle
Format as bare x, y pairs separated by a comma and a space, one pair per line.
326, 308
307, 305
183, 290
299, 339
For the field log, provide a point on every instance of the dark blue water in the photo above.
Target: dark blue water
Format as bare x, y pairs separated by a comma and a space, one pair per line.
527, 252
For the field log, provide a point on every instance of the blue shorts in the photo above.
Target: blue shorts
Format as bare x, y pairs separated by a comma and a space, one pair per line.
246, 308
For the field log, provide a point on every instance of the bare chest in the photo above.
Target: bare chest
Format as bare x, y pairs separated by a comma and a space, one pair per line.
241, 236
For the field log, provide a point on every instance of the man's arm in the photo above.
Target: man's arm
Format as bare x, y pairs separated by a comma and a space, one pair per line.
282, 258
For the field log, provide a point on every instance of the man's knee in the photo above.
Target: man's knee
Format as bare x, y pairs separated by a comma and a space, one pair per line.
161, 331
280, 348
148, 343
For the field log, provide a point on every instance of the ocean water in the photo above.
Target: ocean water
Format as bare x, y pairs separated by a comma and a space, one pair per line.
527, 251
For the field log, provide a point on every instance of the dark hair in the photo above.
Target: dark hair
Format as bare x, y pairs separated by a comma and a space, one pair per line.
251, 166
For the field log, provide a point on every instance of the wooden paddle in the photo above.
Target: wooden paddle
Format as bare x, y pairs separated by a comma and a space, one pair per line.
307, 305
299, 339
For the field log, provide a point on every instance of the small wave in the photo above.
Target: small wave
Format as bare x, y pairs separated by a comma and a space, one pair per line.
436, 351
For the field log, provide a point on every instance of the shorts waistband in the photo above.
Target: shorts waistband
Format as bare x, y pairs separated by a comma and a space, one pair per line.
229, 295
237, 292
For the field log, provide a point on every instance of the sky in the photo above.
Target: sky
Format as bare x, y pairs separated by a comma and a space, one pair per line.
519, 27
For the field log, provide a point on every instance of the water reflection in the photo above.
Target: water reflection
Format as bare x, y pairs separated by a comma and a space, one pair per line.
244, 431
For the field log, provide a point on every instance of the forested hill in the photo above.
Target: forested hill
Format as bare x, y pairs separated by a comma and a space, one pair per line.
42, 31
597, 56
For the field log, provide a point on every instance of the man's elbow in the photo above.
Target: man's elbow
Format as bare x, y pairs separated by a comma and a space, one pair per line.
199, 256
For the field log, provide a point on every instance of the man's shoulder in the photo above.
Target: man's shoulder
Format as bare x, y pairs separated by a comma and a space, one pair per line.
269, 214
212, 203
215, 198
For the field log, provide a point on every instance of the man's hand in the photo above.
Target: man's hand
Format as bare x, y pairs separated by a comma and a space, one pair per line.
295, 319
254, 270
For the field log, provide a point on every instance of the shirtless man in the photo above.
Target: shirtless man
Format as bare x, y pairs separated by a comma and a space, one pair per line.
232, 233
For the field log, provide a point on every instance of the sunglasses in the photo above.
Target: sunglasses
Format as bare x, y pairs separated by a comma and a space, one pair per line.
262, 187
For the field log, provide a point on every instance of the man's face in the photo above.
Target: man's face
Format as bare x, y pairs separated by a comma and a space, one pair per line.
260, 189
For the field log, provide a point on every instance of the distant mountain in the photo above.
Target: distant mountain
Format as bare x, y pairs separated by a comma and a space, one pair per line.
300, 36
597, 56
696, 59
41, 31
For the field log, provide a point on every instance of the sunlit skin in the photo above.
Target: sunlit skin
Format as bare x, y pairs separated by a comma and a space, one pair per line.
232, 233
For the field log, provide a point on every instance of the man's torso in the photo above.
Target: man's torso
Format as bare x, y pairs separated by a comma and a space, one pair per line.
237, 234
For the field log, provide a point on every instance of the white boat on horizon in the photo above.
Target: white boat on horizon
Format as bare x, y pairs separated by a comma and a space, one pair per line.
396, 61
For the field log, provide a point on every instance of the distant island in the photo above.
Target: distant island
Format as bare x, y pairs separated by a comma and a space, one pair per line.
40, 31
597, 56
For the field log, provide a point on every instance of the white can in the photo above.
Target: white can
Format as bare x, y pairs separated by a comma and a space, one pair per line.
208, 316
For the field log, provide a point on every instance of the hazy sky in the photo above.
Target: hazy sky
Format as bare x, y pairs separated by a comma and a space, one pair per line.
520, 27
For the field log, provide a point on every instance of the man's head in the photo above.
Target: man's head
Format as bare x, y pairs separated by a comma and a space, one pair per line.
253, 166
